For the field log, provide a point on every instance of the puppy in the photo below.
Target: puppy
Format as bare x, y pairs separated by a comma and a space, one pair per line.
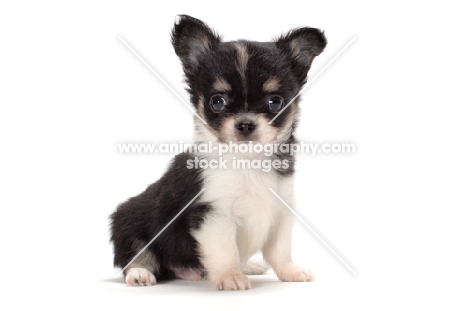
237, 87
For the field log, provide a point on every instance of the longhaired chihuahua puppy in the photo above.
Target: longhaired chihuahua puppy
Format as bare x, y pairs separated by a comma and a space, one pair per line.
237, 87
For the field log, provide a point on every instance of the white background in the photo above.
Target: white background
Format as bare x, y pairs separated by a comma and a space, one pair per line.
395, 211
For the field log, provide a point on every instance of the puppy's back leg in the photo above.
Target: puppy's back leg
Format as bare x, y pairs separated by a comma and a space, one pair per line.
255, 266
141, 272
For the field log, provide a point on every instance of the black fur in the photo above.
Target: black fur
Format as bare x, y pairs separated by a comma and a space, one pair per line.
143, 216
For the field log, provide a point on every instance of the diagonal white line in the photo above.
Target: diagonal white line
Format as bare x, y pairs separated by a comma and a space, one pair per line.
162, 230
161, 79
313, 79
313, 231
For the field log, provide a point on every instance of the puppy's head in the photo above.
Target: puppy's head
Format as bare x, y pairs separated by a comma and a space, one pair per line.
238, 87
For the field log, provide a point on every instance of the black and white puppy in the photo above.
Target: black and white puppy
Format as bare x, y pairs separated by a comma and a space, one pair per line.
237, 87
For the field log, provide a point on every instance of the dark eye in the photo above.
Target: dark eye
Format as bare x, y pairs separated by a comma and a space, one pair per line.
275, 103
218, 103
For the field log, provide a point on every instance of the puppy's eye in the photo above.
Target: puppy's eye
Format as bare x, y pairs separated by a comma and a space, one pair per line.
218, 103
275, 103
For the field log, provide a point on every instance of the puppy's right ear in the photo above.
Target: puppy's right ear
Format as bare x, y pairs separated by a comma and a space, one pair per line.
192, 39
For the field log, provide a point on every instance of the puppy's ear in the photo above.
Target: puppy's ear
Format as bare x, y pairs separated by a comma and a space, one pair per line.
192, 39
302, 45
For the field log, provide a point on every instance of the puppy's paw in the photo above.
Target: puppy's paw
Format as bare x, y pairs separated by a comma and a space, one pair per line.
236, 281
293, 273
255, 266
139, 277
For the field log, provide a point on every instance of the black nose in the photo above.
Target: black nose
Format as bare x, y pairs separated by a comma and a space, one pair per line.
246, 128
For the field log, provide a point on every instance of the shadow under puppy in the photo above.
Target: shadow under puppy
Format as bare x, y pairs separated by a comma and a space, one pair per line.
237, 87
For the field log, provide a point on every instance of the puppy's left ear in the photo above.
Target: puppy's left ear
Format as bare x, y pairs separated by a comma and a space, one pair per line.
192, 39
302, 45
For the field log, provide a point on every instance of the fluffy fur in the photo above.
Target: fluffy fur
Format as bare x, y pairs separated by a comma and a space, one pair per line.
236, 216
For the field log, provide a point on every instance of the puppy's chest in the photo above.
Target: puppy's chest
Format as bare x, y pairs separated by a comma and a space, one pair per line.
244, 194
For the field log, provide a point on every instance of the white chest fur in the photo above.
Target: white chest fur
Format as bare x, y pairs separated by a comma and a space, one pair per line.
243, 196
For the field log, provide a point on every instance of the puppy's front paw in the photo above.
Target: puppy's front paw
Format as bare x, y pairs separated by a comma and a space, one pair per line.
295, 273
236, 281
140, 277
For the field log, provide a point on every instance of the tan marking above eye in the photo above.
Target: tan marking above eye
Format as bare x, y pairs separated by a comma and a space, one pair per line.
271, 85
221, 85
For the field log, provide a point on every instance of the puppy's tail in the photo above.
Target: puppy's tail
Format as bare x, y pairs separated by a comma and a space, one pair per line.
255, 266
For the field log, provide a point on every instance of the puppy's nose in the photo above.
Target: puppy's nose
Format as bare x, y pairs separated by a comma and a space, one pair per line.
245, 127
